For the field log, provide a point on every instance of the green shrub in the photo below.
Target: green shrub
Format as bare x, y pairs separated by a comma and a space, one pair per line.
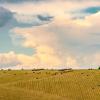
99, 67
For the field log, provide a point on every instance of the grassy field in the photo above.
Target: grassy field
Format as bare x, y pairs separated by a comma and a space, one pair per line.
50, 85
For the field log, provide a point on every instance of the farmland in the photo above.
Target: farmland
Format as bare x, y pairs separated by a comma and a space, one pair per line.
50, 85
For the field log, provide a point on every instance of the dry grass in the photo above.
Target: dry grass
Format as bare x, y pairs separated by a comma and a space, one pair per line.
50, 85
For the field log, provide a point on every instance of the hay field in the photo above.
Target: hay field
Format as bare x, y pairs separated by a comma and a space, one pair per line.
50, 85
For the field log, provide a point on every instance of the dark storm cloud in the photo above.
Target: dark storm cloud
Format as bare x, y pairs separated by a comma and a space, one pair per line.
21, 1
91, 10
45, 17
5, 16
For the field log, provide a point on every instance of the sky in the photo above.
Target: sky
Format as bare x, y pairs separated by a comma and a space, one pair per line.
49, 34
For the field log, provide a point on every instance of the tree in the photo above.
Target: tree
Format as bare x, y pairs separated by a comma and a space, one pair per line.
99, 67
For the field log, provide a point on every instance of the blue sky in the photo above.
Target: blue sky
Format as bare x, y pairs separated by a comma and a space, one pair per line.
49, 33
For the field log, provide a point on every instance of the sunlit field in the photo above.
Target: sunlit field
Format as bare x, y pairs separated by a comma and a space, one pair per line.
50, 85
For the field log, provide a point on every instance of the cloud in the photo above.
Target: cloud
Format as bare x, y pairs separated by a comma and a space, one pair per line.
18, 61
66, 8
82, 13
61, 35
33, 20
17, 1
22, 20
50, 50
8, 60
13, 60
45, 17
5, 16
64, 41
23, 1
91, 10
63, 7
